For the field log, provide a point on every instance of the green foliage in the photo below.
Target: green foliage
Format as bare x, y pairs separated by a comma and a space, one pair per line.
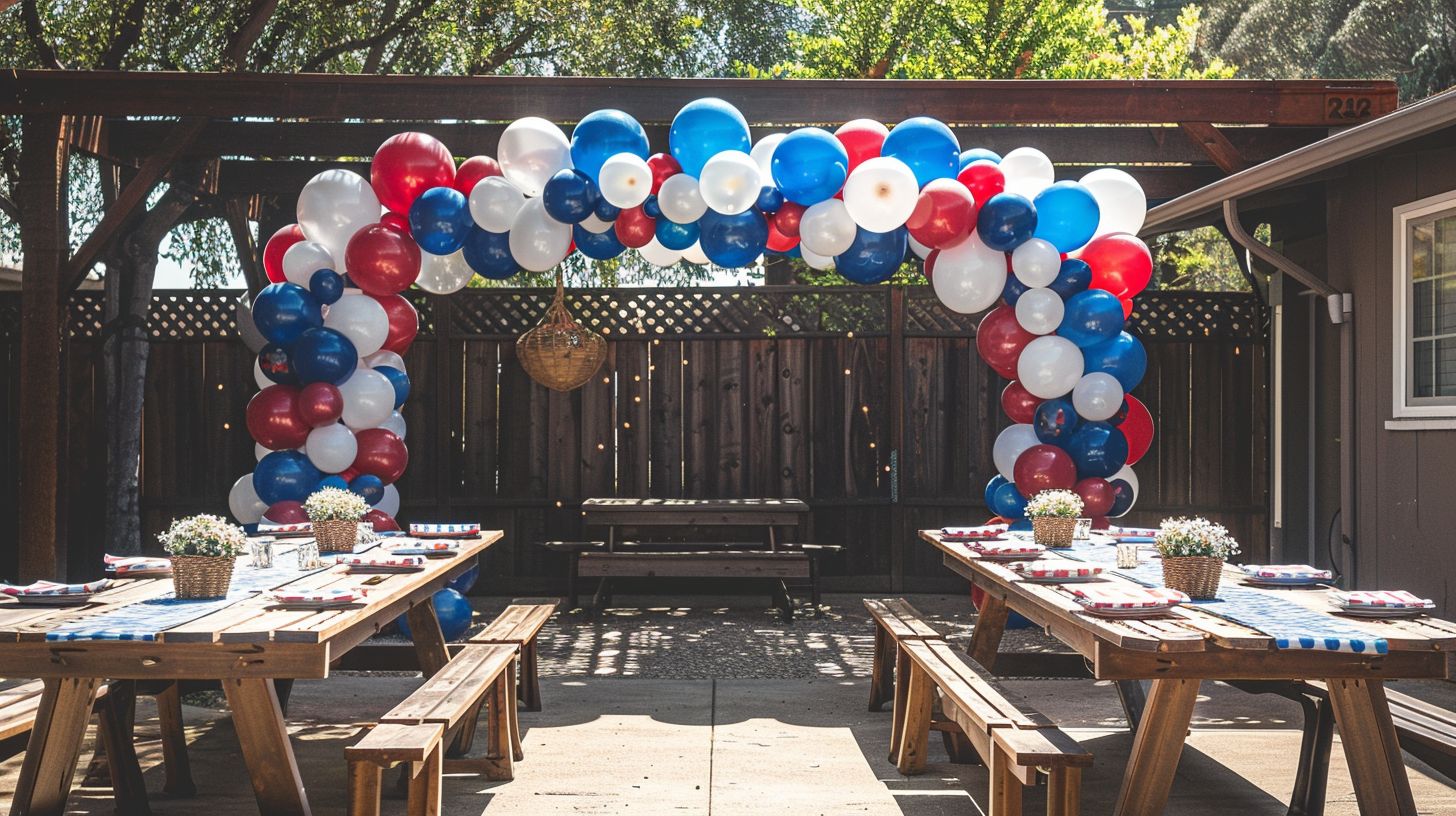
1200, 260
1164, 52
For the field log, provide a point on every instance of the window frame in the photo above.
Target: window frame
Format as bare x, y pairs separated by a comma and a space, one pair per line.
1403, 374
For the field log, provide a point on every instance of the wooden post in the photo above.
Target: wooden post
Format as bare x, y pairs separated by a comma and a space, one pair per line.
45, 246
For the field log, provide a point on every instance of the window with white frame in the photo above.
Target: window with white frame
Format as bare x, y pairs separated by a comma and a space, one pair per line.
1425, 307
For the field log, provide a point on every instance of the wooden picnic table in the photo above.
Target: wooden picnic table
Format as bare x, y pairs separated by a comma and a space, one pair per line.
246, 646
1179, 651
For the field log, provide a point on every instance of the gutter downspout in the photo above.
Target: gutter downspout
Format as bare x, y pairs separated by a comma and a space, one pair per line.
1341, 311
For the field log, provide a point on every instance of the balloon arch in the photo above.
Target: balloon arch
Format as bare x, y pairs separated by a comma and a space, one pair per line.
1062, 257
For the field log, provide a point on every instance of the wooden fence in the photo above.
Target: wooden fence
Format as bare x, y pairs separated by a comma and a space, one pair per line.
870, 403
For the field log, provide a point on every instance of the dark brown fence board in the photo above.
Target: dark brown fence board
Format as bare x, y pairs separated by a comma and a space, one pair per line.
665, 376
702, 394
795, 394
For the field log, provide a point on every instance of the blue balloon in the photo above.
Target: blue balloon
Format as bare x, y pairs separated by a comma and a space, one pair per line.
324, 355
1013, 290
1022, 525
793, 252
651, 208
440, 219
603, 134
770, 199
399, 380
599, 246
1098, 450
996, 481
873, 256
570, 196
371, 488
285, 475
1066, 215
1008, 503
926, 145
276, 363
1091, 317
326, 286
809, 166
731, 241
1122, 498
453, 612
606, 211
703, 129
465, 580
1006, 221
284, 311
489, 254
1121, 416
676, 236
1123, 357
333, 480
1074, 276
978, 154
1055, 421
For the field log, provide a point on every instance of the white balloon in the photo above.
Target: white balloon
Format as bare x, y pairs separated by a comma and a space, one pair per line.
538, 242
305, 258
659, 255
921, 250
1121, 199
695, 255
333, 206
1049, 366
596, 226
730, 182
531, 151
368, 399
680, 199
762, 153
259, 451
814, 259
389, 502
361, 319
1027, 163
1010, 444
970, 276
1097, 396
395, 425
494, 203
881, 194
252, 338
244, 502
382, 358
259, 377
1036, 263
1127, 475
625, 180
1027, 187
444, 274
826, 228
1040, 311
332, 448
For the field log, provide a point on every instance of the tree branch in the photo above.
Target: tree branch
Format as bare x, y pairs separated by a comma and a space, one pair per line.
8, 207
127, 35
235, 55
376, 53
35, 31
502, 53
391, 32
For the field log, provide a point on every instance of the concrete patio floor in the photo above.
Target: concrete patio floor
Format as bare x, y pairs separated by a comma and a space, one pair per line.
614, 738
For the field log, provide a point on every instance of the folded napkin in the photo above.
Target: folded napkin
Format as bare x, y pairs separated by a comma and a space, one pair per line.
127, 564
1005, 547
369, 560
399, 546
1056, 569
1289, 572
53, 588
965, 533
320, 595
1398, 599
269, 528
460, 530
1126, 597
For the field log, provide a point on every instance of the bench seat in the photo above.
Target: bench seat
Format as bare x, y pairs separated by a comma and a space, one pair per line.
519, 626
894, 619
387, 745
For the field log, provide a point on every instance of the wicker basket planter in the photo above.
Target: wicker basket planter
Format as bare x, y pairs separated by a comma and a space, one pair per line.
336, 535
198, 577
1196, 576
1052, 531
560, 353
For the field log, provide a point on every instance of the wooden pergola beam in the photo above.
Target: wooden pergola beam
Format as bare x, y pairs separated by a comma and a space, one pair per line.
783, 102
237, 221
130, 201
1213, 142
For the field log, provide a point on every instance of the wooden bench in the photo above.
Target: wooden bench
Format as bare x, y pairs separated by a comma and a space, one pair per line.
388, 745
518, 626
894, 619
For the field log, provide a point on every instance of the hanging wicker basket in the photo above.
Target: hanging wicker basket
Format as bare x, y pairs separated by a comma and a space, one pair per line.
336, 535
1052, 531
1196, 576
559, 353
196, 577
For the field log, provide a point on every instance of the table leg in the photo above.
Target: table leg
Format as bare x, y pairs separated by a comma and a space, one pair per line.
1156, 748
986, 637
882, 677
1371, 749
1134, 699
117, 714
433, 654
54, 747
174, 743
263, 736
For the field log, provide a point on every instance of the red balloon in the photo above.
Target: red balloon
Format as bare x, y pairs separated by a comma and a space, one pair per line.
1100, 523
786, 220
862, 140
1120, 263
381, 521
286, 512
276, 246
930, 264
396, 221
1018, 403
1044, 467
404, 322
1138, 428
663, 167
777, 241
320, 404
635, 228
274, 419
349, 475
406, 165
984, 179
1000, 340
473, 170
944, 214
381, 454
1126, 307
382, 261
1096, 496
